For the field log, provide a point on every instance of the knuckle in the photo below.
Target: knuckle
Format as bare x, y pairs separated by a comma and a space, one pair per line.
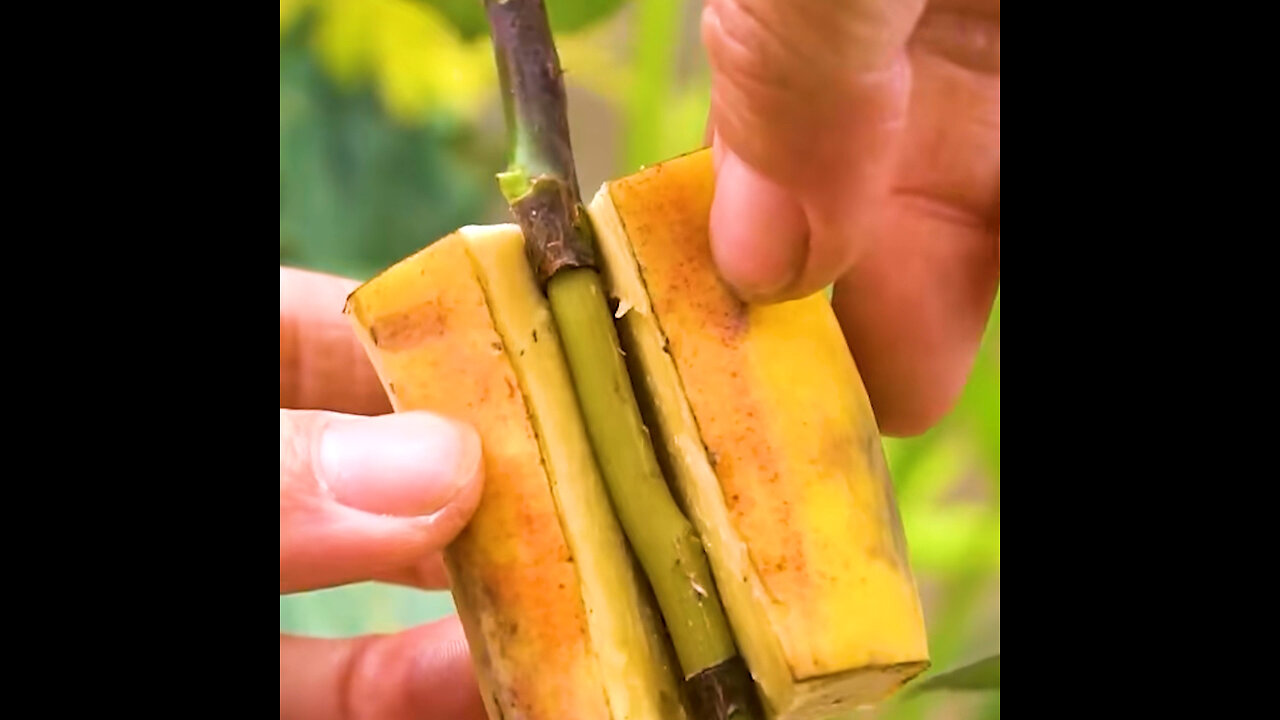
742, 48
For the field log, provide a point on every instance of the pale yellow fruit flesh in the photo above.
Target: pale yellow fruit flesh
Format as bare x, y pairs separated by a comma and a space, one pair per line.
769, 438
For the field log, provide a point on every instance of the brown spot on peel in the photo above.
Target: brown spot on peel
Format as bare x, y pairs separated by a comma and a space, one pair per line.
409, 328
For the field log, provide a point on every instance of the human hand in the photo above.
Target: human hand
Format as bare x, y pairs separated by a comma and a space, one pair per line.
365, 498
858, 142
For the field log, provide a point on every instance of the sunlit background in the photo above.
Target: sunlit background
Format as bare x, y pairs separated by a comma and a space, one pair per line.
390, 134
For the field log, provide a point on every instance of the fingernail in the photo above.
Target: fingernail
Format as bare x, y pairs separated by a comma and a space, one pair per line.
404, 464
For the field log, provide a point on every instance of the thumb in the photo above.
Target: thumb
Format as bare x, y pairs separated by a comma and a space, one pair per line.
365, 497
808, 100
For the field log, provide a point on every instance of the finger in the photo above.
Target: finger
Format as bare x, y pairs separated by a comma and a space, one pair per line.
760, 232
811, 96
915, 308
427, 574
914, 312
420, 674
364, 497
322, 365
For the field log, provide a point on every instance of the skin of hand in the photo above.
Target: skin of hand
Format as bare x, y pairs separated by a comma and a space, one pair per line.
858, 142
365, 495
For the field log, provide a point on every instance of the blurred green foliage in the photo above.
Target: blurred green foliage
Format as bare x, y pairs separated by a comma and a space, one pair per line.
981, 675
358, 188
389, 137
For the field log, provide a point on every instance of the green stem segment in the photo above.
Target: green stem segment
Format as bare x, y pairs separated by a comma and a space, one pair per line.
542, 190
716, 680
663, 539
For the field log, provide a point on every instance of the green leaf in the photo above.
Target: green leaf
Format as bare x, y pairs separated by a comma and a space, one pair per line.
981, 675
565, 15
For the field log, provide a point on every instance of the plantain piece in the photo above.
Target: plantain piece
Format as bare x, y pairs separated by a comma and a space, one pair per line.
558, 618
764, 428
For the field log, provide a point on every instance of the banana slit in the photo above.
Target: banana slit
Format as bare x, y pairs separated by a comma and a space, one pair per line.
640, 687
